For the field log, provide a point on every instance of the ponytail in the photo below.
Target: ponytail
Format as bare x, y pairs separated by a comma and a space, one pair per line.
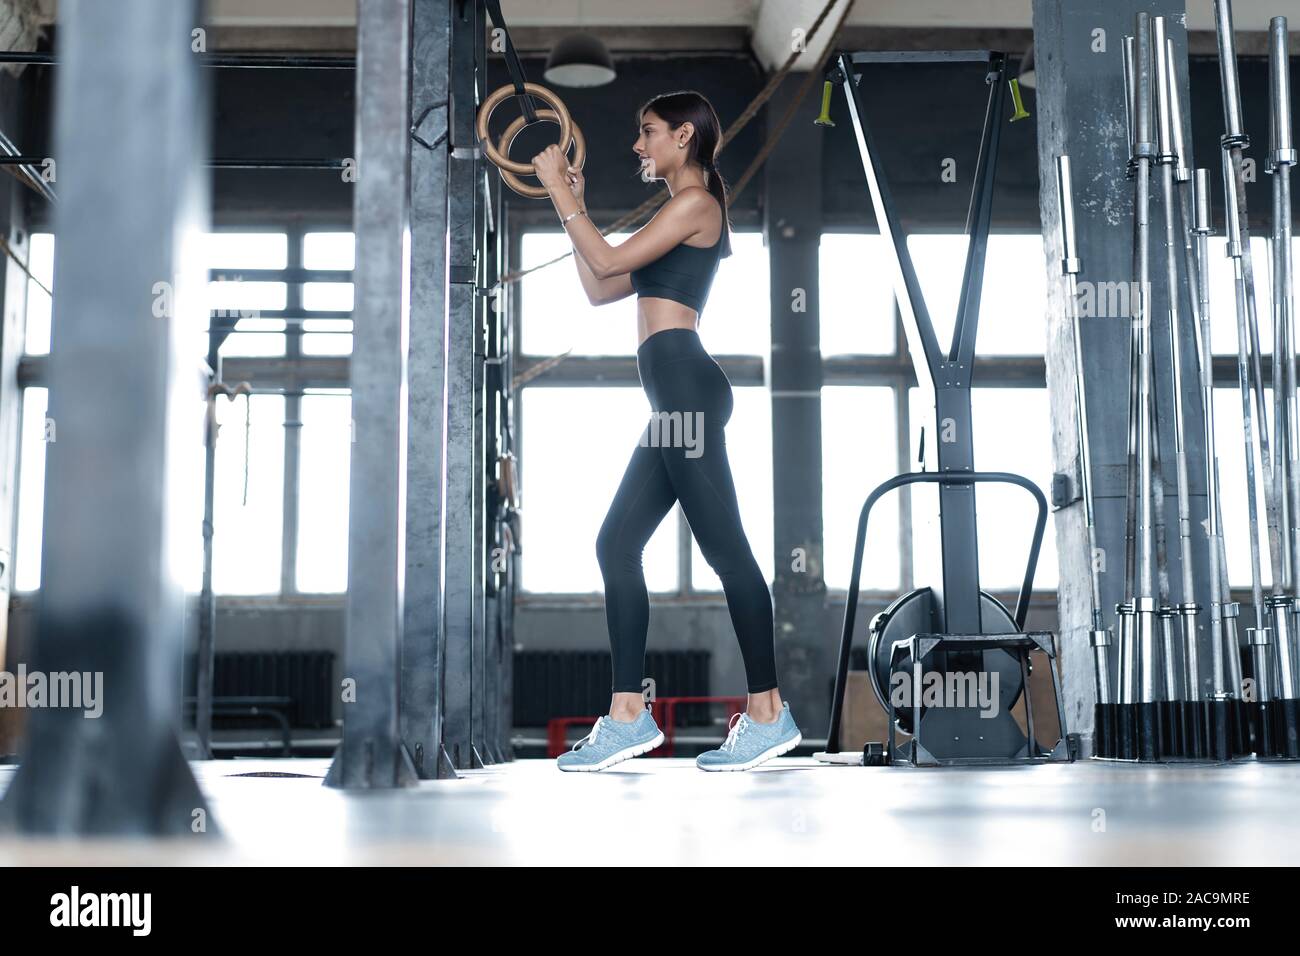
713, 179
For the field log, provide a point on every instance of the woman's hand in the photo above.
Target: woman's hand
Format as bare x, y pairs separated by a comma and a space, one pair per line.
577, 185
552, 169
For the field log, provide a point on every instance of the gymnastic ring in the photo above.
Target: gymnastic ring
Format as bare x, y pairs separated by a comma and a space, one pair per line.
578, 142
499, 159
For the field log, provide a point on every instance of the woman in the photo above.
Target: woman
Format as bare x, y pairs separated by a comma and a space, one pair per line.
682, 454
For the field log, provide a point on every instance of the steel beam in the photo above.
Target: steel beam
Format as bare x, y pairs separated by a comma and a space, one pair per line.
126, 396
13, 315
371, 755
421, 708
792, 228
462, 719
264, 61
494, 415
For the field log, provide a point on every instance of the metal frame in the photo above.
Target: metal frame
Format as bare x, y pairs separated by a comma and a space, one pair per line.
128, 210
463, 568
218, 163
947, 377
920, 646
937, 642
372, 755
422, 706
229, 60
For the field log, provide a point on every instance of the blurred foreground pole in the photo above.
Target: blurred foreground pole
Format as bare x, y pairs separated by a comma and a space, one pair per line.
126, 409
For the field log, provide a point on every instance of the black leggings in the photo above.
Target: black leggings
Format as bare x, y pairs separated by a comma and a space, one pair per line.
681, 456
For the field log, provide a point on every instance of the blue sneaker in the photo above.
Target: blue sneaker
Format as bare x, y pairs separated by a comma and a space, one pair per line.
612, 741
749, 743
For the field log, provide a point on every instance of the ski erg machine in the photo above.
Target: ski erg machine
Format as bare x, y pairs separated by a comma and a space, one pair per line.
950, 635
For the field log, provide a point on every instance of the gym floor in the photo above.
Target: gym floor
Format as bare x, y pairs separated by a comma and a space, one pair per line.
665, 812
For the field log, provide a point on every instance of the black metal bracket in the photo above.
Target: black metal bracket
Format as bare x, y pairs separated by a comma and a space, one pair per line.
912, 652
419, 121
1065, 489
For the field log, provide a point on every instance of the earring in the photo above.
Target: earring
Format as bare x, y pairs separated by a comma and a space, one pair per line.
681, 145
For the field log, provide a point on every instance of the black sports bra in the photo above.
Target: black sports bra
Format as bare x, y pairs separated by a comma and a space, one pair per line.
684, 273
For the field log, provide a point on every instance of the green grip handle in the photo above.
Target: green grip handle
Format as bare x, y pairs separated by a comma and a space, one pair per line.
1021, 112
824, 119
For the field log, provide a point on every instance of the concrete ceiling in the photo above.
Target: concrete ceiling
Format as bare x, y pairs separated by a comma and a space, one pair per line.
767, 23
1249, 14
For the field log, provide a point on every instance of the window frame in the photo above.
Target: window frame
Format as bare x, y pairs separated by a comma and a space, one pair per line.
893, 370
294, 373
290, 375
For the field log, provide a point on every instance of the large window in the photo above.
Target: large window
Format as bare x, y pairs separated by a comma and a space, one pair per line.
336, 252
293, 447
862, 413
232, 296
575, 441
1223, 300
40, 262
857, 295
1229, 439
31, 489
557, 315
325, 458
248, 507
266, 513
736, 319
860, 422
574, 445
1013, 297
749, 450
859, 451
1012, 433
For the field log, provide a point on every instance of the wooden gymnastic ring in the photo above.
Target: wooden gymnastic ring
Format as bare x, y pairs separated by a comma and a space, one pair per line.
578, 142
499, 159
506, 479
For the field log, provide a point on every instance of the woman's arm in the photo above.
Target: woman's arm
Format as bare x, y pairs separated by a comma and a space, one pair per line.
601, 291
676, 222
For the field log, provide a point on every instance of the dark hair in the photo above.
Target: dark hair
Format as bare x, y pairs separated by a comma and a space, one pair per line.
685, 106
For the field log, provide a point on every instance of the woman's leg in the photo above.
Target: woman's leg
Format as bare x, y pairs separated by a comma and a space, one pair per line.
700, 475
643, 497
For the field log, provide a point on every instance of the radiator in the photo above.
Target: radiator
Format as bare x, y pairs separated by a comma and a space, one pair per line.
306, 676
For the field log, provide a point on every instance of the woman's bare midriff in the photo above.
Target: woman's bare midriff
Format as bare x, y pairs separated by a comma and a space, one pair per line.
655, 314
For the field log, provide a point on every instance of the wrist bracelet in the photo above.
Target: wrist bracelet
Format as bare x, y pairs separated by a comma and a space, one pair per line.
565, 220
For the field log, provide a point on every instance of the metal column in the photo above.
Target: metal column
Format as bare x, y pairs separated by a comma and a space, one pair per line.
13, 315
126, 395
292, 482
495, 418
462, 568
1078, 50
421, 706
371, 754
792, 230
